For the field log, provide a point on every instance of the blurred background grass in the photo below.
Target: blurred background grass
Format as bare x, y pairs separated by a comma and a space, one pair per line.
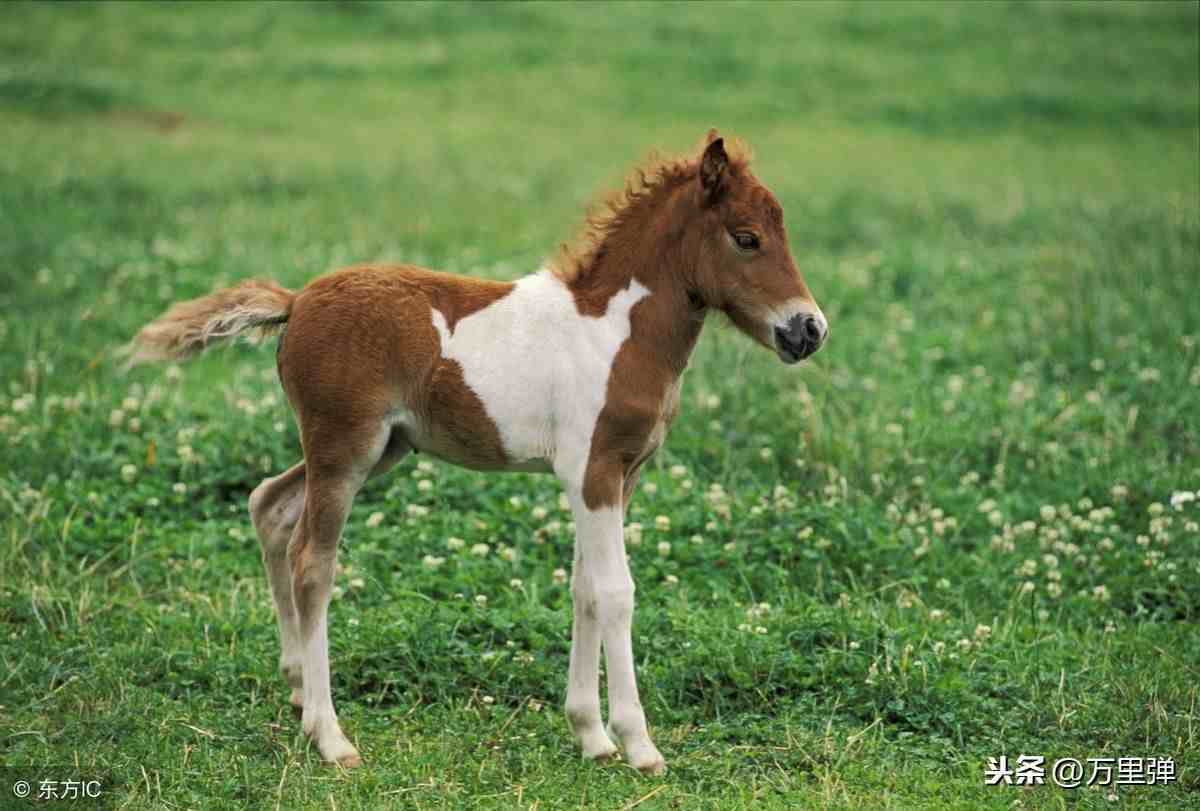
1016, 181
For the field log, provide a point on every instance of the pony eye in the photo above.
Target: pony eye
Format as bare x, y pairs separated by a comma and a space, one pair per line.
746, 241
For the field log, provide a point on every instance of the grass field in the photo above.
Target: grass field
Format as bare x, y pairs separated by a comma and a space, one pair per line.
967, 528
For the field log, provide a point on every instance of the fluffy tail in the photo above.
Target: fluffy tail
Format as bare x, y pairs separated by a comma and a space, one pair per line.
189, 327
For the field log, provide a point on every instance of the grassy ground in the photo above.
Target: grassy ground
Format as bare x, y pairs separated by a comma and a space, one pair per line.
961, 531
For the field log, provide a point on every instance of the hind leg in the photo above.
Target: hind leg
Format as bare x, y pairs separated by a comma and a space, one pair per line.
275, 508
339, 459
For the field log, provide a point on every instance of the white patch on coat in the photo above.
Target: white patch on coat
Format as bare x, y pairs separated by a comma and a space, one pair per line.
540, 368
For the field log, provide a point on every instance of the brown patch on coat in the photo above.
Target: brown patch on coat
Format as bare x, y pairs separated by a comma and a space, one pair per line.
361, 348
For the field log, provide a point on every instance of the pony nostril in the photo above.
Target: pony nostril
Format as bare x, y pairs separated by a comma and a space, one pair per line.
811, 329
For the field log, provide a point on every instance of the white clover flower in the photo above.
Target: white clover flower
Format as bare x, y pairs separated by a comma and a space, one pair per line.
515, 501
1181, 498
1054, 589
455, 544
937, 615
766, 453
186, 453
539, 513
649, 488
671, 580
357, 583
982, 632
374, 519
986, 506
432, 561
1028, 587
759, 629
1048, 512
559, 576
508, 553
697, 540
424, 485
678, 471
481, 599
179, 487
116, 417
633, 534
417, 510
662, 523
1101, 593
129, 472
664, 549
480, 550
516, 583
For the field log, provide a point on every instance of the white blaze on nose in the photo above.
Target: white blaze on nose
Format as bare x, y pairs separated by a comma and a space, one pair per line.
780, 318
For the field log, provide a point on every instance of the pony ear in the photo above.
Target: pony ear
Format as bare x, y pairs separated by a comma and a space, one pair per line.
712, 166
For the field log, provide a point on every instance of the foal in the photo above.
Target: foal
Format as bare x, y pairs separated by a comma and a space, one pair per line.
573, 370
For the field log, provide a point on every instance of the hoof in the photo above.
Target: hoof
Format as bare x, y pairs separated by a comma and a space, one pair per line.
652, 768
349, 761
597, 746
644, 756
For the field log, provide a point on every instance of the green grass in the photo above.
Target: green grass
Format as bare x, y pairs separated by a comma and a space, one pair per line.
997, 206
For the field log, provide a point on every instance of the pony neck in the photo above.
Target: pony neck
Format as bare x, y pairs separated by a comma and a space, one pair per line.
650, 249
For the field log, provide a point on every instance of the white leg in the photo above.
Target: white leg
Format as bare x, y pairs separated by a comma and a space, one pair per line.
583, 678
275, 507
313, 558
603, 591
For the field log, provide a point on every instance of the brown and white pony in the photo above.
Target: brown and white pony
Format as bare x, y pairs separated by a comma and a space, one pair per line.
574, 370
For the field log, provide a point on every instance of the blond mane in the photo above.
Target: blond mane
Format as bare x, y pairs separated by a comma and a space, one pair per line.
617, 209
